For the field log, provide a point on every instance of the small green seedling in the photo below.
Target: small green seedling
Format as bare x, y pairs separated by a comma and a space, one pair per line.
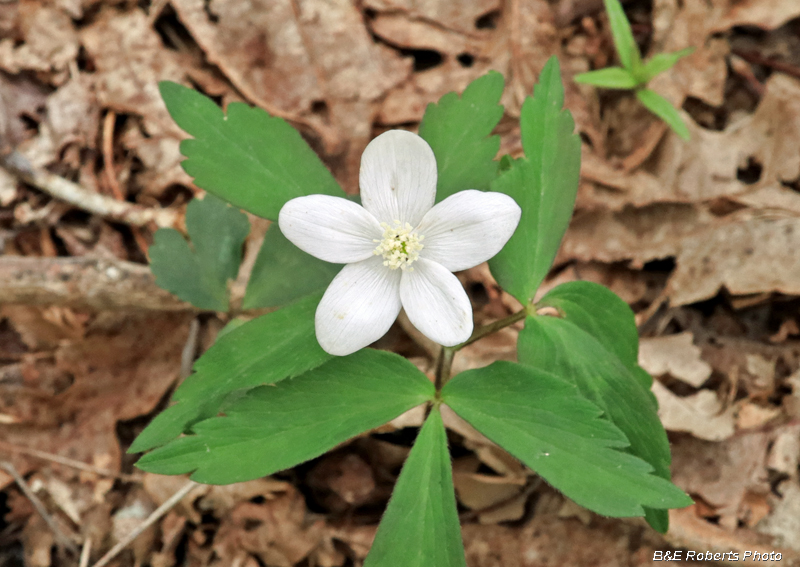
634, 73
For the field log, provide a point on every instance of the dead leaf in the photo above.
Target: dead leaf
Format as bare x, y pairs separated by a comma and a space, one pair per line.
116, 375
342, 481
458, 15
675, 355
752, 256
50, 42
279, 531
784, 521
130, 60
784, 455
765, 14
752, 416
700, 414
721, 473
480, 491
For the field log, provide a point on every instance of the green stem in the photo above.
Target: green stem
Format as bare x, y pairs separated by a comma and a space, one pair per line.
443, 367
484, 330
444, 364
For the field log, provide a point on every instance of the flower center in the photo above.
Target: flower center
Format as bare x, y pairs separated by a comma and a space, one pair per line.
399, 246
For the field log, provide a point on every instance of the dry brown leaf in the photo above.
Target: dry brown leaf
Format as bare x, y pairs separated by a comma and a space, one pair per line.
50, 42
457, 15
689, 530
677, 25
128, 518
221, 499
675, 355
114, 375
38, 541
765, 14
784, 455
161, 487
279, 531
130, 60
753, 256
721, 473
639, 235
479, 491
342, 481
700, 414
73, 114
784, 521
751, 415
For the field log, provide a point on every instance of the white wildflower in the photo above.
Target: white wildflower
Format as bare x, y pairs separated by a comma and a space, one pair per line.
400, 248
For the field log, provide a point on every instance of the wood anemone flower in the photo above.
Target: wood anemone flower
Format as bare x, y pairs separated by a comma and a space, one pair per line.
400, 248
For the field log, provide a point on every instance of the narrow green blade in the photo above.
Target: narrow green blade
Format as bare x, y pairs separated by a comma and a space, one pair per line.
626, 46
420, 527
660, 62
662, 108
276, 427
609, 78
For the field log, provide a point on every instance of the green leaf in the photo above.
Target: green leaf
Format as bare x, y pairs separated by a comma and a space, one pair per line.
662, 108
544, 184
199, 274
609, 78
568, 351
602, 314
626, 46
458, 130
420, 527
662, 61
249, 158
276, 427
283, 273
265, 350
546, 423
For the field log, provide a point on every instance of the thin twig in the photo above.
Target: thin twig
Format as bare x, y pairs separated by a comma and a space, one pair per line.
85, 552
66, 461
152, 519
758, 59
84, 283
108, 155
60, 536
60, 188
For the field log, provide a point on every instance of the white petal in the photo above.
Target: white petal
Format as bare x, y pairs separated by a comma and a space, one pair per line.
398, 177
468, 228
358, 307
330, 228
435, 303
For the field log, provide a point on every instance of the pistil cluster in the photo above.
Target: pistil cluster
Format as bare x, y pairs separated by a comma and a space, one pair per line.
399, 246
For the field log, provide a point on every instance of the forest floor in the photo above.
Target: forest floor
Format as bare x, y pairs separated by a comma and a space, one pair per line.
700, 237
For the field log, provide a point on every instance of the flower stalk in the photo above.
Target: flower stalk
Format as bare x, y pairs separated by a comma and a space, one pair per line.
444, 363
